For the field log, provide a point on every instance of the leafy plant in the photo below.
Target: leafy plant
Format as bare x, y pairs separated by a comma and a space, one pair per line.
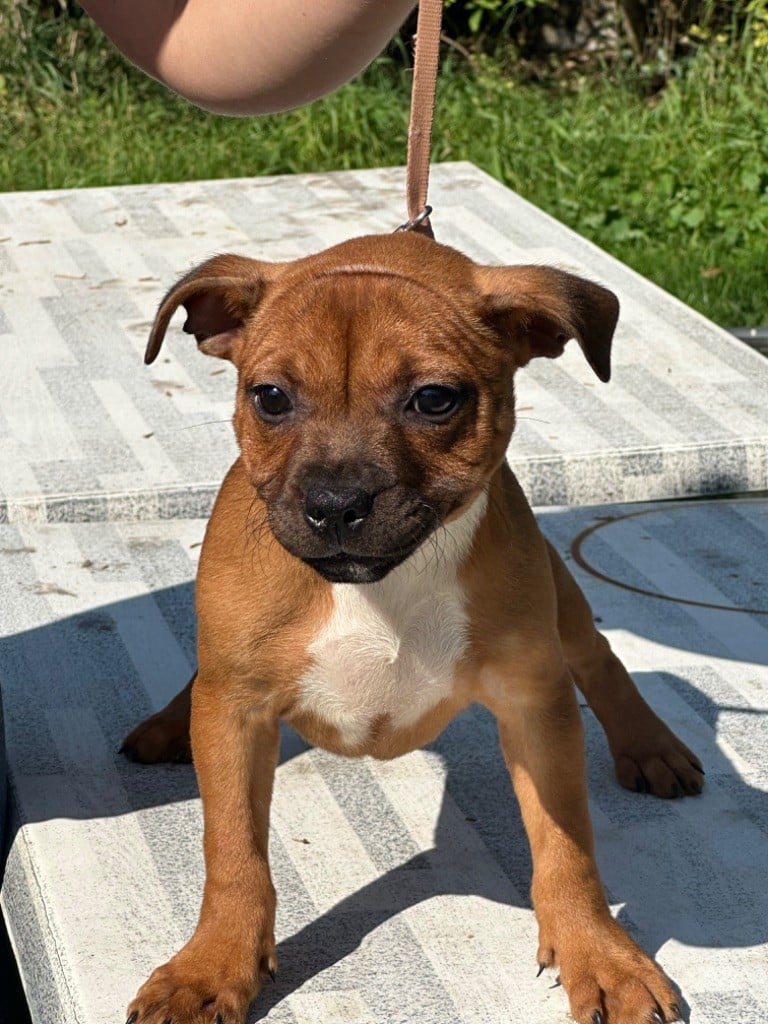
481, 17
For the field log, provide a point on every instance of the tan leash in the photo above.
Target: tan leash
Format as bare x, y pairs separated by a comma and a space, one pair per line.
425, 63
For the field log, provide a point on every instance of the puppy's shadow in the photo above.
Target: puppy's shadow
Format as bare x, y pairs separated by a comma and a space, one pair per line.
479, 849
668, 864
691, 870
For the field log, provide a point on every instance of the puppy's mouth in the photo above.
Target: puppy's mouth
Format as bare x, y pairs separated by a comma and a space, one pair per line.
347, 568
353, 567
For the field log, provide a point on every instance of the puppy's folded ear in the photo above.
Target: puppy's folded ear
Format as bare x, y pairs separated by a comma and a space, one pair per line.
538, 309
218, 296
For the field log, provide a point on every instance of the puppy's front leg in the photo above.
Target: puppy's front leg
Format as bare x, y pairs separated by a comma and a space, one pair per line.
216, 975
606, 976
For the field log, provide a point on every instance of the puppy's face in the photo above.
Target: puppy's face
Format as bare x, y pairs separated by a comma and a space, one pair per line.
367, 413
375, 395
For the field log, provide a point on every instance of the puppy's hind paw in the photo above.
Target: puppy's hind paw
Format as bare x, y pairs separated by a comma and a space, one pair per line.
649, 758
162, 738
670, 774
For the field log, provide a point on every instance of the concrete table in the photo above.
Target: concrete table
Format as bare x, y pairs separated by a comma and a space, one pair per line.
107, 471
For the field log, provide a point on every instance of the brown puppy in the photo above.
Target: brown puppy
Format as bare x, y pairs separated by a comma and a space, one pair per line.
371, 567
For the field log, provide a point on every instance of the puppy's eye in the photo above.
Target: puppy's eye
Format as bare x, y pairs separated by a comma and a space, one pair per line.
271, 402
435, 401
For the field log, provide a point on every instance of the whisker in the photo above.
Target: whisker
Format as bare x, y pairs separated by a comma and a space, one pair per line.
432, 538
203, 423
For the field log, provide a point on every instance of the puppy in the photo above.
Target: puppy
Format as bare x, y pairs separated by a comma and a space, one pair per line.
371, 567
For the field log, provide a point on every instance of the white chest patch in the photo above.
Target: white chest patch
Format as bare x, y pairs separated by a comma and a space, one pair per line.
391, 648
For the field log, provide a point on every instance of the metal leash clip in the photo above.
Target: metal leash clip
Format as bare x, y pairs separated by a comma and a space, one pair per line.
413, 224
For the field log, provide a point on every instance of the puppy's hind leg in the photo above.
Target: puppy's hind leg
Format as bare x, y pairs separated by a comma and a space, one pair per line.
647, 754
163, 736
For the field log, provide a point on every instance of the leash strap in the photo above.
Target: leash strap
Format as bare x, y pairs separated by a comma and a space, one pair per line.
425, 63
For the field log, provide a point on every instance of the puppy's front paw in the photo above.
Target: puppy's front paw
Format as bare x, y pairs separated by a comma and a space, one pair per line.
649, 758
194, 988
161, 738
608, 978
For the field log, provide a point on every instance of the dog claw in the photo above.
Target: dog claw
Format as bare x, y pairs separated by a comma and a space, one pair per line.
675, 1008
641, 785
271, 973
677, 791
597, 1017
134, 1016
542, 968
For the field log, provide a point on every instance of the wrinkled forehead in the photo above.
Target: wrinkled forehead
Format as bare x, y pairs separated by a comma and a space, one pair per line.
364, 320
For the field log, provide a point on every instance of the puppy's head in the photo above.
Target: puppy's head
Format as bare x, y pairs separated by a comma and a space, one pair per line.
375, 395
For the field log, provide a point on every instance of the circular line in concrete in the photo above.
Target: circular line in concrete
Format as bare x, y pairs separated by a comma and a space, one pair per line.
577, 552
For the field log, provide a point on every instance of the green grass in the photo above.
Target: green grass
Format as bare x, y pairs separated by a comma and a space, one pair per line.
677, 188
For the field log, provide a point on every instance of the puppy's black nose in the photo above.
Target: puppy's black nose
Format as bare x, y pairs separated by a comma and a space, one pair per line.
336, 510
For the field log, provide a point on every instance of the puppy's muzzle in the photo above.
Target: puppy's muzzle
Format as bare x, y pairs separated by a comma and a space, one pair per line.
335, 513
350, 531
